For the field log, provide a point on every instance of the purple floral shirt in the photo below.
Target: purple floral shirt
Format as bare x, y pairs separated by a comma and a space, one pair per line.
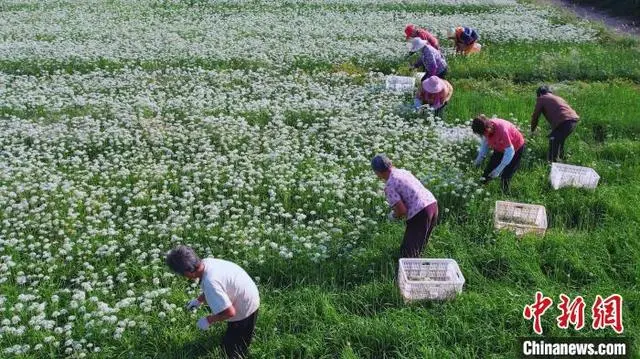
402, 185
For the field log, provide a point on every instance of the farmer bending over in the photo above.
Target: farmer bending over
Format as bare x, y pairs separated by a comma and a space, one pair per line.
431, 60
408, 199
412, 31
228, 290
562, 118
465, 40
434, 92
507, 144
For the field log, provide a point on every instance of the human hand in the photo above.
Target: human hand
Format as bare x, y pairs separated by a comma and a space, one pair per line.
193, 304
203, 323
417, 103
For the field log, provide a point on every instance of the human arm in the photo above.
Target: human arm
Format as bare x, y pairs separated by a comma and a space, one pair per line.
205, 322
228, 313
536, 115
482, 151
195, 303
399, 210
219, 303
431, 62
507, 156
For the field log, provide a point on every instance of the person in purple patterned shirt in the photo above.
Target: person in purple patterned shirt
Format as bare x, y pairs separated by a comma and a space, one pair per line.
408, 199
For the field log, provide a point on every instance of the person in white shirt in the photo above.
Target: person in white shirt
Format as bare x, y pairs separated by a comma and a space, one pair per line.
228, 290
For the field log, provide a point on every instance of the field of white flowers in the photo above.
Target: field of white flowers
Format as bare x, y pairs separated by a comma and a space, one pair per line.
104, 168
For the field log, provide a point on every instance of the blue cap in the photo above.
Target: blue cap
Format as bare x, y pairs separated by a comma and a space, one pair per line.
380, 163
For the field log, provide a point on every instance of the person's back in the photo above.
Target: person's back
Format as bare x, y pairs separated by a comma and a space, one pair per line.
505, 132
411, 191
432, 58
555, 109
427, 36
234, 282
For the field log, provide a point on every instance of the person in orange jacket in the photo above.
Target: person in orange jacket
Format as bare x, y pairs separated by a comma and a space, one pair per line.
465, 40
411, 31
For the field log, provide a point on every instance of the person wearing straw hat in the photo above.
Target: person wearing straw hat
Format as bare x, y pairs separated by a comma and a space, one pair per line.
562, 118
465, 40
434, 92
230, 293
508, 146
408, 198
411, 31
431, 60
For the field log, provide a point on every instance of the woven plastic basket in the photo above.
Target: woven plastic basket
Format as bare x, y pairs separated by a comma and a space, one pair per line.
400, 83
520, 218
429, 279
563, 175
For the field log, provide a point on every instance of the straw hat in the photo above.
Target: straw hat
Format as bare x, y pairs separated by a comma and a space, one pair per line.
417, 44
433, 84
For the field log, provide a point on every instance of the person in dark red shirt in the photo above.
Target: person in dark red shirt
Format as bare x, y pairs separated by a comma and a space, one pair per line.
412, 31
507, 144
561, 117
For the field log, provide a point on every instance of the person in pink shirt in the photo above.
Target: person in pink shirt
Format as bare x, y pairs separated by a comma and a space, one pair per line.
411, 31
507, 144
409, 199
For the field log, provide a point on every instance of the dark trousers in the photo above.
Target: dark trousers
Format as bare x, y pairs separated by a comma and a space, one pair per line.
508, 171
238, 337
440, 112
557, 138
419, 227
441, 75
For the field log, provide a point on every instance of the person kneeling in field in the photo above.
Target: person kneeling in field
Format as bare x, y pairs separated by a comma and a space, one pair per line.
431, 60
562, 118
507, 144
465, 40
408, 199
411, 31
434, 92
228, 290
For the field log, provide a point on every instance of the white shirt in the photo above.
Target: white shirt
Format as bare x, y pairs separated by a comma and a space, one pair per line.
225, 283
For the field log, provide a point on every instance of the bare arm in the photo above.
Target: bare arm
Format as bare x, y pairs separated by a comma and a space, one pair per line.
222, 316
536, 115
400, 209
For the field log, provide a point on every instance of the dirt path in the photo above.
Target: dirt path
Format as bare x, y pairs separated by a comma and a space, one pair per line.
619, 25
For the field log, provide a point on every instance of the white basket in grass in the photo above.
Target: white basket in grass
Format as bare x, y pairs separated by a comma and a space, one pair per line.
401, 83
563, 175
520, 218
429, 279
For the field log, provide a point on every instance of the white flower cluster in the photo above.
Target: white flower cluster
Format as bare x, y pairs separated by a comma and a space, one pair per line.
109, 170
146, 31
102, 172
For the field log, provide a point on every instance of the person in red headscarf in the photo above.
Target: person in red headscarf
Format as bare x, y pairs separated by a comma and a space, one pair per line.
411, 31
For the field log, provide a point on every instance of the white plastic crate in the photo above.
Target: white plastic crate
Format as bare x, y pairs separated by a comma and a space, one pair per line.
563, 175
520, 217
429, 279
401, 83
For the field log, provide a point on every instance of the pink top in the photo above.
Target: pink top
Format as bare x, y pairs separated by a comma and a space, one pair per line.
426, 36
402, 185
504, 134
